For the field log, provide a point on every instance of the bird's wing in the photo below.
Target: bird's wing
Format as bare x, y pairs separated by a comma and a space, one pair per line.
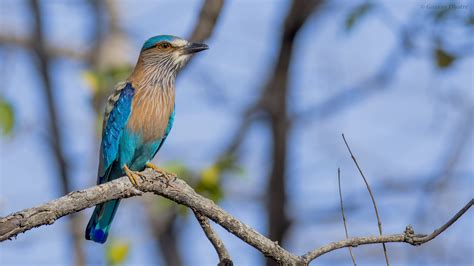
117, 113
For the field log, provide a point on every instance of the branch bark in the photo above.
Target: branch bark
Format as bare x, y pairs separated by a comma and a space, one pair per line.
178, 191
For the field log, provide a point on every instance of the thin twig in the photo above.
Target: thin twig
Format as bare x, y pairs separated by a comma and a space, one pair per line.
342, 211
224, 257
379, 222
445, 226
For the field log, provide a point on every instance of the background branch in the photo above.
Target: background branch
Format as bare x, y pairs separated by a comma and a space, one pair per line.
56, 139
51, 51
208, 16
274, 104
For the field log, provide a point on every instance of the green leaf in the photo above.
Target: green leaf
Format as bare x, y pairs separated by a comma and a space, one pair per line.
357, 13
117, 252
443, 58
210, 175
7, 117
92, 80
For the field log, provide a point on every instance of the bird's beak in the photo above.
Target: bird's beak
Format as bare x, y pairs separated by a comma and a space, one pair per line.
194, 47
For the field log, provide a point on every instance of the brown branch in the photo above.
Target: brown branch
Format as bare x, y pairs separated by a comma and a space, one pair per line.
178, 191
210, 11
342, 212
51, 51
274, 101
56, 140
224, 257
379, 222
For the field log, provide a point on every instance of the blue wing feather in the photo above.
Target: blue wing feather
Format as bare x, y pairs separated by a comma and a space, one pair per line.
113, 131
99, 224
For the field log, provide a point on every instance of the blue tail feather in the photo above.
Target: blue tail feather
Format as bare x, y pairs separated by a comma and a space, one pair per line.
99, 225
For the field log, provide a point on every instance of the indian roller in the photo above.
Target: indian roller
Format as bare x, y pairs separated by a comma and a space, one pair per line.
138, 117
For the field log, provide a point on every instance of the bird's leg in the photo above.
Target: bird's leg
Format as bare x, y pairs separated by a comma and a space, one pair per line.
132, 176
158, 169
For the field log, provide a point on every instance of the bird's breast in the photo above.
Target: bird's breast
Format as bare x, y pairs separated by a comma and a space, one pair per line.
151, 110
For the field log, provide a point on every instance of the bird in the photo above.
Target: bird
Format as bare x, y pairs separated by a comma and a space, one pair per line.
138, 117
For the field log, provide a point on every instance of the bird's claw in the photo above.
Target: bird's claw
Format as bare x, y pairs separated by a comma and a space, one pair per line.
133, 176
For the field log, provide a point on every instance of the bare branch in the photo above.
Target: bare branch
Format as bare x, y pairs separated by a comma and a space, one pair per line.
343, 215
160, 184
445, 226
166, 185
379, 222
224, 257
408, 236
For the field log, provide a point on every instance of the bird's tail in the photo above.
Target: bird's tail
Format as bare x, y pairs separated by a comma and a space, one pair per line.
99, 224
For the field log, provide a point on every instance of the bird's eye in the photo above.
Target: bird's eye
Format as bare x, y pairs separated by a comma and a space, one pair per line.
164, 45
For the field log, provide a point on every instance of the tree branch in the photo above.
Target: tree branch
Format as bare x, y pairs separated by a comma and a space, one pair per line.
178, 191
408, 236
224, 257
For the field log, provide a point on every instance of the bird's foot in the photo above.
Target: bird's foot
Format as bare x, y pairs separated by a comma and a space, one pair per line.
168, 176
132, 176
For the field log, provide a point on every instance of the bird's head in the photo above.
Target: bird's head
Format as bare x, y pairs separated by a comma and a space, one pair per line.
169, 52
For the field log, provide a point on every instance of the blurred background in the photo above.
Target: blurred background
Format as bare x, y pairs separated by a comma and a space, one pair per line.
258, 124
